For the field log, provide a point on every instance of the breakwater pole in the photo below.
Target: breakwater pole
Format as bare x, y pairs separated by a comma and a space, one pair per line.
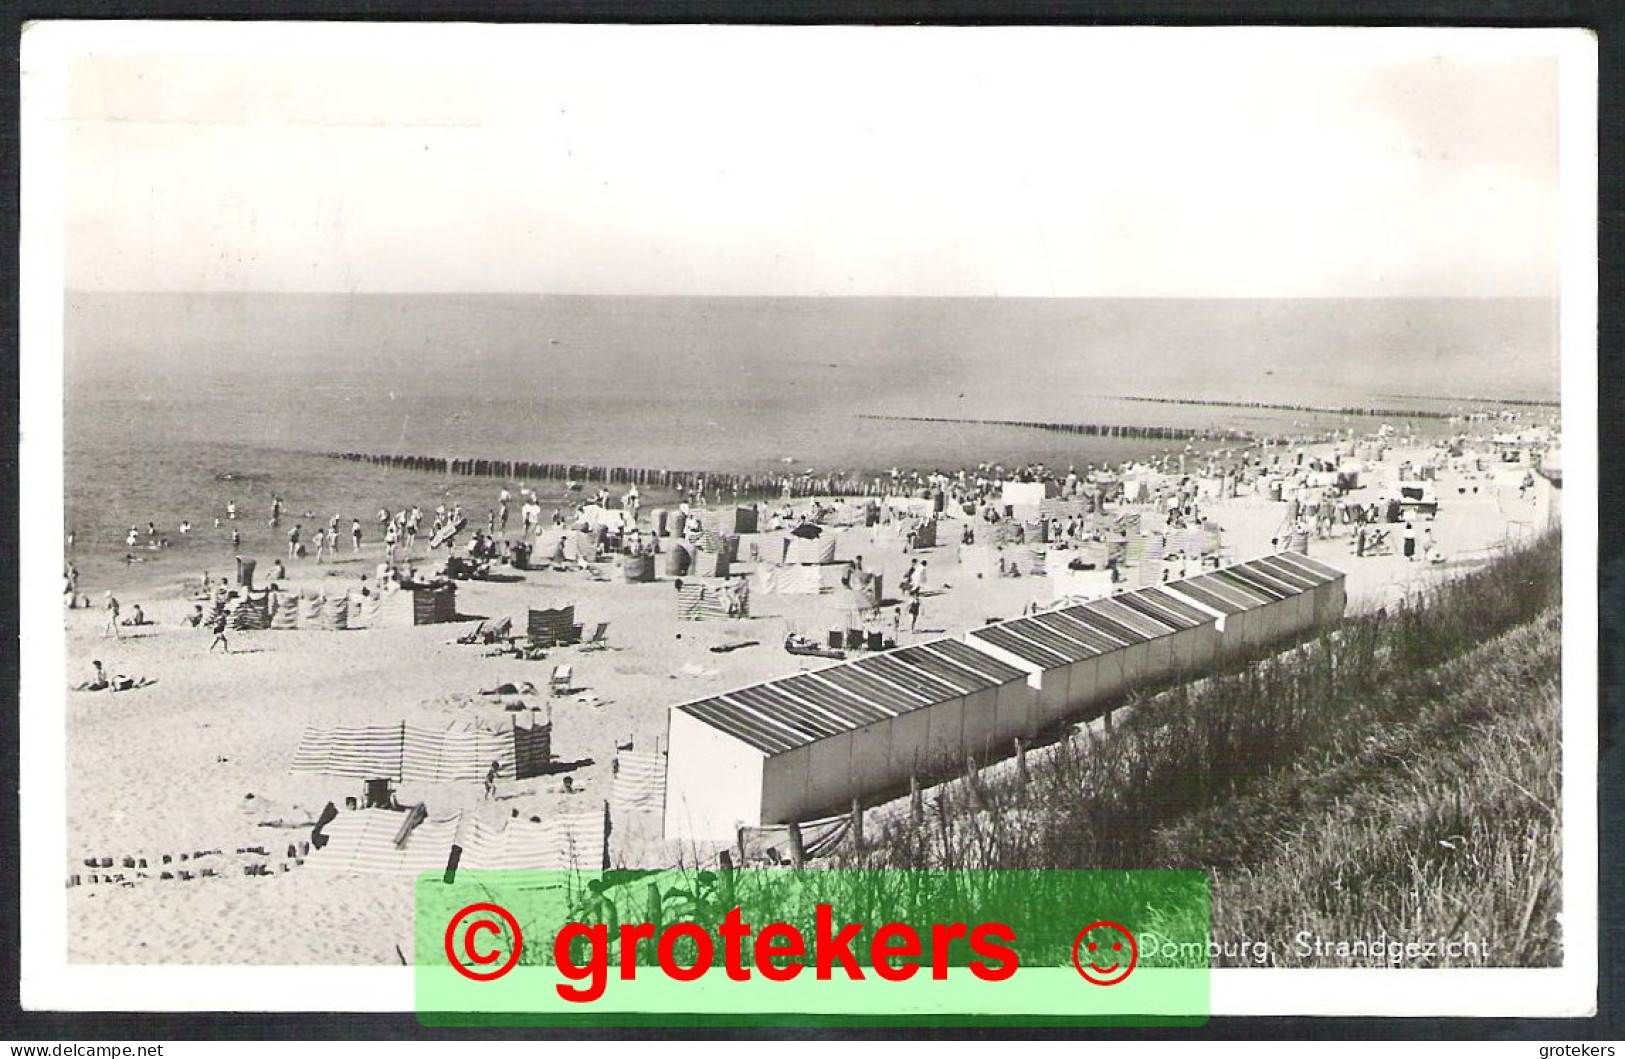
1093, 430
1378, 413
715, 486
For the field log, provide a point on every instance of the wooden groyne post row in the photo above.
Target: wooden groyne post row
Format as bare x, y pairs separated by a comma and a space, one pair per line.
743, 486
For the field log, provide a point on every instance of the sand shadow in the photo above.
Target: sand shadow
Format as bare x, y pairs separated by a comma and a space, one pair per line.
553, 768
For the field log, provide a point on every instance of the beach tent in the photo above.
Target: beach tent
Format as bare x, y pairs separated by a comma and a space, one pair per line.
910, 506
806, 565
805, 551
1077, 585
705, 600
1026, 494
800, 579
795, 748
549, 545
983, 559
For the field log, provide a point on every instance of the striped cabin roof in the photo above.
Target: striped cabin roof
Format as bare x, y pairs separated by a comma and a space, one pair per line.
780, 715
1072, 634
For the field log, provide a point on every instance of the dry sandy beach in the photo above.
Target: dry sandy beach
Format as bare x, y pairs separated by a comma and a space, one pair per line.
199, 761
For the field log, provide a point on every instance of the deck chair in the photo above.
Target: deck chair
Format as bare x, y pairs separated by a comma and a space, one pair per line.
475, 636
599, 640
561, 680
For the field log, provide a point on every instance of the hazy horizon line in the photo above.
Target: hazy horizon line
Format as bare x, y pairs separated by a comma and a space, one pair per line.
75, 291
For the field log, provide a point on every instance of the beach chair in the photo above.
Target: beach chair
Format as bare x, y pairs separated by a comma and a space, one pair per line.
501, 632
477, 635
599, 640
560, 682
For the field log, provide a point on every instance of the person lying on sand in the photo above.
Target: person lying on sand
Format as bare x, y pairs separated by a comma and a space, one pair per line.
119, 682
523, 688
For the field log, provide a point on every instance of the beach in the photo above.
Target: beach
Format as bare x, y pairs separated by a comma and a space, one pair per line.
199, 761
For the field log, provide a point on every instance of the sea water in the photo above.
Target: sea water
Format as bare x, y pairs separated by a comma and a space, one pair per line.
177, 405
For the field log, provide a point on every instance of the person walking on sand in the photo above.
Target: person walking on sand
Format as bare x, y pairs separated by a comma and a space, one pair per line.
293, 542
1409, 543
491, 779
112, 616
333, 542
355, 534
913, 614
319, 540
218, 627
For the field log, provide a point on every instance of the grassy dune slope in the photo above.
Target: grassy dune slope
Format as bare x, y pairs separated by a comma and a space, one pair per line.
1398, 777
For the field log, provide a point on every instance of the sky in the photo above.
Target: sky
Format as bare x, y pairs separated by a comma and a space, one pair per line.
809, 161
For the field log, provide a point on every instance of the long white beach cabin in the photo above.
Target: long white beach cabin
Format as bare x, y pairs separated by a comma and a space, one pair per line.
1080, 656
805, 746
1267, 600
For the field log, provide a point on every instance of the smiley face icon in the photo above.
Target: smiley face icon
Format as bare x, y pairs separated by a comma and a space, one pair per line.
1105, 953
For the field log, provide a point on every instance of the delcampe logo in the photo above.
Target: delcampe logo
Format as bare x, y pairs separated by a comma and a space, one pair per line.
551, 948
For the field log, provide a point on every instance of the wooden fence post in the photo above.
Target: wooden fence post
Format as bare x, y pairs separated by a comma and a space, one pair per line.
973, 783
798, 852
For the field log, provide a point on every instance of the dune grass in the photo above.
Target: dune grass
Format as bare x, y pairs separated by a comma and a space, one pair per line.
1397, 777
